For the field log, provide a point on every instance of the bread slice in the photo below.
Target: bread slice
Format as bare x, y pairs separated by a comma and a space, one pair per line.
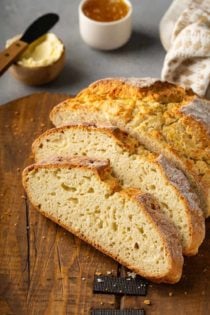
166, 118
81, 195
135, 167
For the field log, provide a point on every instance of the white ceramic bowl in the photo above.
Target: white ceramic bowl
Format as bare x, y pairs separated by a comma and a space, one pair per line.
105, 35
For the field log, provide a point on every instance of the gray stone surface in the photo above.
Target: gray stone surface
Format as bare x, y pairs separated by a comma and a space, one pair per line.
142, 56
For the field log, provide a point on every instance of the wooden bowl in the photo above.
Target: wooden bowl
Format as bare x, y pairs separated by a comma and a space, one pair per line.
38, 75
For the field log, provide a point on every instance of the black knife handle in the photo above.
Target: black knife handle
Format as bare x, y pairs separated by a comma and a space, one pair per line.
10, 54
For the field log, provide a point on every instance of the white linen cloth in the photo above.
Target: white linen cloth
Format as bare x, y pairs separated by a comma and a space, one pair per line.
185, 33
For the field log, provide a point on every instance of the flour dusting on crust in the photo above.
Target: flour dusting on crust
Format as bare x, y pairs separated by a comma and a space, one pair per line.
140, 82
178, 179
136, 82
199, 109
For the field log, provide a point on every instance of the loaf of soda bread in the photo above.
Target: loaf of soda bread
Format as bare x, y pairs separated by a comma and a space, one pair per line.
81, 195
135, 167
166, 118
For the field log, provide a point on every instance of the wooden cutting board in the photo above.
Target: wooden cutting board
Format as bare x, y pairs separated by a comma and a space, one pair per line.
46, 270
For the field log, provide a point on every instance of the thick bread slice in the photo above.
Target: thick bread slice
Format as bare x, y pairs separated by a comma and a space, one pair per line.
82, 196
166, 118
135, 167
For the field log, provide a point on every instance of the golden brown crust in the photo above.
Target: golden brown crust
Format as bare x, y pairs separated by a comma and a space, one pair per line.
150, 208
136, 88
163, 116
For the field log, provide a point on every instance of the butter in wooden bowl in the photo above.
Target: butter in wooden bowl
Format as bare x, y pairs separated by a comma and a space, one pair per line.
105, 24
41, 62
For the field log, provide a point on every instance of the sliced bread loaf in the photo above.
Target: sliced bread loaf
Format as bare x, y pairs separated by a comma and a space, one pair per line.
135, 167
83, 197
166, 118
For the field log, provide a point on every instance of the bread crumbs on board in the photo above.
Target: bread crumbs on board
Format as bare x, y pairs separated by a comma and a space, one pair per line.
131, 274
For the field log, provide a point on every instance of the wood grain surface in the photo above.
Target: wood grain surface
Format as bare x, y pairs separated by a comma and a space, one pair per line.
46, 270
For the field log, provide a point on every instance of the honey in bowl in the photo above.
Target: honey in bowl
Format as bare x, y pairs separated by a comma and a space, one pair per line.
105, 10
